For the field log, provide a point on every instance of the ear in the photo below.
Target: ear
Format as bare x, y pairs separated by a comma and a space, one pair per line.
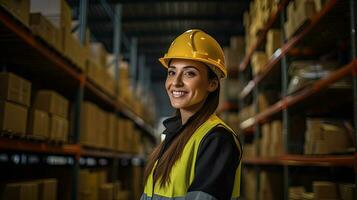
213, 85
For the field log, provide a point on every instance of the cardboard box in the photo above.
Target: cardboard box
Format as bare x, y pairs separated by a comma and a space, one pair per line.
233, 57
42, 27
18, 8
106, 192
98, 54
273, 42
237, 43
259, 60
15, 89
305, 10
13, 117
319, 4
57, 11
38, 124
47, 189
88, 122
30, 189
13, 191
324, 190
52, 102
59, 128
73, 50
122, 195
111, 130
347, 191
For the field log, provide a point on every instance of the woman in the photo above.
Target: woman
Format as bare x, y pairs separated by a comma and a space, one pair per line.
200, 156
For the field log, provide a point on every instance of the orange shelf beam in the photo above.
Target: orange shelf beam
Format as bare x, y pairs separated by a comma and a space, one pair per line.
38, 147
300, 96
306, 160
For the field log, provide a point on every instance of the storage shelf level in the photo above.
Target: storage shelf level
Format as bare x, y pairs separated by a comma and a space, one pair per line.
306, 160
284, 50
294, 99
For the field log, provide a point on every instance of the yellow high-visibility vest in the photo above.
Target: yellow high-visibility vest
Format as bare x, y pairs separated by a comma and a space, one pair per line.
183, 171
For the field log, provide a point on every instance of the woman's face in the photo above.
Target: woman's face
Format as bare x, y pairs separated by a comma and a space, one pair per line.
187, 84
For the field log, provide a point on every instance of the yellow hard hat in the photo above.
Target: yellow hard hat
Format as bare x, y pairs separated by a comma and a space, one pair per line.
197, 45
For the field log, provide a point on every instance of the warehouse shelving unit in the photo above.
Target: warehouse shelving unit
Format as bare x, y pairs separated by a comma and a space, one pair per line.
27, 53
277, 66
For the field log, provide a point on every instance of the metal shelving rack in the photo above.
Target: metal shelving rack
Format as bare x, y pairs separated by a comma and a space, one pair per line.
282, 108
39, 59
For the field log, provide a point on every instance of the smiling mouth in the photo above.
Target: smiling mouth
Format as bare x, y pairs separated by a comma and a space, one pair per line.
178, 94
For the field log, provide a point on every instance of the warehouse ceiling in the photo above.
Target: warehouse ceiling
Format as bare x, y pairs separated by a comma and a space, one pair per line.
155, 23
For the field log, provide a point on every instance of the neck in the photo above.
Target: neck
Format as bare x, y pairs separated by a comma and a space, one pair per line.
186, 113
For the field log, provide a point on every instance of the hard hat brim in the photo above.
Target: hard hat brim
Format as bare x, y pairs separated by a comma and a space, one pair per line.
223, 74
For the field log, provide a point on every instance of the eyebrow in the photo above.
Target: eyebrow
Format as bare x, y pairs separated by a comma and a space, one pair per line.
186, 67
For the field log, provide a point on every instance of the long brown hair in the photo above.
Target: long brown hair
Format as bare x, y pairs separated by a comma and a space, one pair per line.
174, 151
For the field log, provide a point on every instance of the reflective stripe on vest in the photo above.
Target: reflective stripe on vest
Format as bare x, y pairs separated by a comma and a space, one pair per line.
183, 171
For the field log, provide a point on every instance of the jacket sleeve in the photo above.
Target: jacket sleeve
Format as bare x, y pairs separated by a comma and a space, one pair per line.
217, 160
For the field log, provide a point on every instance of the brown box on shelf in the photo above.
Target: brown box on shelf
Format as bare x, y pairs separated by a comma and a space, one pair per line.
233, 57
14, 88
305, 10
111, 131
250, 183
347, 191
42, 27
119, 135
18, 8
30, 189
266, 140
88, 122
57, 11
47, 189
273, 41
106, 192
59, 128
98, 54
237, 43
13, 117
122, 195
73, 50
319, 4
259, 60
324, 190
13, 191
52, 102
38, 124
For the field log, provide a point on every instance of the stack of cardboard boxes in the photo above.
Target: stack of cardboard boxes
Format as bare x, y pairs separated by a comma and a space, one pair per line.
93, 185
254, 20
50, 105
102, 129
45, 189
98, 128
59, 14
45, 119
324, 190
15, 94
326, 137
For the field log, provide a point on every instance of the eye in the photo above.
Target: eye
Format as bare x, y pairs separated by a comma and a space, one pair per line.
190, 74
170, 73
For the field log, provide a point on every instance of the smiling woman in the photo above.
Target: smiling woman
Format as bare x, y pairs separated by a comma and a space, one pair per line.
200, 157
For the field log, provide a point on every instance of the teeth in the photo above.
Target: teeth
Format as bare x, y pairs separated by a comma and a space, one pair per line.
178, 93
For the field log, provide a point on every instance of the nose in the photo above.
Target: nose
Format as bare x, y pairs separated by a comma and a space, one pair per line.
178, 80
